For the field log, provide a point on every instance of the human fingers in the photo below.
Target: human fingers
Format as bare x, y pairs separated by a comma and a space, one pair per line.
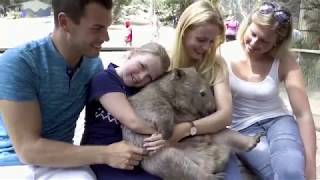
135, 157
133, 163
128, 167
153, 137
154, 148
137, 151
155, 141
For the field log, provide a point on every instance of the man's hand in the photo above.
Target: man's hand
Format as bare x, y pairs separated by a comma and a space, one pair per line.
154, 142
124, 156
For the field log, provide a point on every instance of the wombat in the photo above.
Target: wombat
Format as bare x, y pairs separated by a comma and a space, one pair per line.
182, 95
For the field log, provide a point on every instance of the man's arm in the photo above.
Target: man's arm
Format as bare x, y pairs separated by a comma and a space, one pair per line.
23, 122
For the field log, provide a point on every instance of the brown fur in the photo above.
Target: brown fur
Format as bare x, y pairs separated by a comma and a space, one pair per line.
182, 95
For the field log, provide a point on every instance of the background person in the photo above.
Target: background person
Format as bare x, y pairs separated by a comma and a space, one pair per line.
232, 26
128, 33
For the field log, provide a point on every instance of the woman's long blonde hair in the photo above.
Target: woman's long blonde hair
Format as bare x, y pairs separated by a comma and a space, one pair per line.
197, 14
283, 30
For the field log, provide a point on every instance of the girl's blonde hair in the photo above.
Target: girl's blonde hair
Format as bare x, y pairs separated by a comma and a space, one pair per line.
156, 50
283, 30
197, 14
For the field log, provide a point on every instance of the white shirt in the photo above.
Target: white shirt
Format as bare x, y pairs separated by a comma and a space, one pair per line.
256, 101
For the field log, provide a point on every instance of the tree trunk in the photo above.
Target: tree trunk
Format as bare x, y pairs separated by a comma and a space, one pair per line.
309, 24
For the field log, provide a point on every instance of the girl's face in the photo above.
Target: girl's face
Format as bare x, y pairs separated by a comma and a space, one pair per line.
141, 69
198, 40
259, 40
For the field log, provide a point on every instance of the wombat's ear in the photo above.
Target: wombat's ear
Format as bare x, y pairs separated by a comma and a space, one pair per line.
212, 88
178, 74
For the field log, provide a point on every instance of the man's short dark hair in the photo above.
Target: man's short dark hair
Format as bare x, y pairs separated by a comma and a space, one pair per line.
75, 9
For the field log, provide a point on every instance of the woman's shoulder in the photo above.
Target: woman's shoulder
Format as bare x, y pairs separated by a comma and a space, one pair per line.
289, 58
287, 63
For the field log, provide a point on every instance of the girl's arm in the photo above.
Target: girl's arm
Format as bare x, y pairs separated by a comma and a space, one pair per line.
118, 105
294, 83
214, 122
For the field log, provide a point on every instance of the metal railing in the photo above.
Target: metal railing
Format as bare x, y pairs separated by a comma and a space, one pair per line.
103, 49
311, 51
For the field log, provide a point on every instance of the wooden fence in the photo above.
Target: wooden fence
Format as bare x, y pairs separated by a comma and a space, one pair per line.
309, 61
310, 65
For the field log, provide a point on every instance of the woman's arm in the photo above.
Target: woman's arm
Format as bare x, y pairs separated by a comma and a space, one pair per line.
293, 80
214, 122
118, 105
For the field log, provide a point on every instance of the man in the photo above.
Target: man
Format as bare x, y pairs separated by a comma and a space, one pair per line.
43, 88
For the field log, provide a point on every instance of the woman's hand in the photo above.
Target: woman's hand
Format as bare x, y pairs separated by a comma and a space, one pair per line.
310, 171
154, 142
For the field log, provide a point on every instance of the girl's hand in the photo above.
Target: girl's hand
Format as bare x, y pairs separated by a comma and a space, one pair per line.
154, 142
180, 131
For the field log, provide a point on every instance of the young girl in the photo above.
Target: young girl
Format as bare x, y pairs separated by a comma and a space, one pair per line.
262, 62
199, 32
108, 108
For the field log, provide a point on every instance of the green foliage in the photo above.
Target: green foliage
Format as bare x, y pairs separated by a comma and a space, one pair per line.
117, 7
176, 7
10, 2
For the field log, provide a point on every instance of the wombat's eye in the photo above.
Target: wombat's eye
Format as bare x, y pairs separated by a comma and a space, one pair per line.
202, 93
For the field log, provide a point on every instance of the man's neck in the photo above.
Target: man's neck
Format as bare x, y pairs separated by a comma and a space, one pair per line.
70, 55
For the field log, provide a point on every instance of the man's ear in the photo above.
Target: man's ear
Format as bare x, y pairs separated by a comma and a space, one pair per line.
63, 21
177, 74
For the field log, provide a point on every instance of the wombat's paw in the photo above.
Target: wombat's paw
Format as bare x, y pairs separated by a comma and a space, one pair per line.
253, 141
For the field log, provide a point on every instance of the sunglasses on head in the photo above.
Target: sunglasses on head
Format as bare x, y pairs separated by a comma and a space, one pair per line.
281, 15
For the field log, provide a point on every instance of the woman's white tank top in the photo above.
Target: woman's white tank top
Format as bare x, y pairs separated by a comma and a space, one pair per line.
256, 101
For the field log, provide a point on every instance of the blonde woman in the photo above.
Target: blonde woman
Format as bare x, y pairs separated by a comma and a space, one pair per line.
199, 33
258, 63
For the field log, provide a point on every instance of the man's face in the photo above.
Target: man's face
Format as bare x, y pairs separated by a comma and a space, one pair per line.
88, 36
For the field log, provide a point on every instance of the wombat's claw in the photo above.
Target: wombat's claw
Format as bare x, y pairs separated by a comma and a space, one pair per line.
254, 141
218, 176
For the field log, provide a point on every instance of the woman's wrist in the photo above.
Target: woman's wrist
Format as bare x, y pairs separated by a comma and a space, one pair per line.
182, 130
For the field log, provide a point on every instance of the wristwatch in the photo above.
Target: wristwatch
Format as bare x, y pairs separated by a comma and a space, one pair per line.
193, 129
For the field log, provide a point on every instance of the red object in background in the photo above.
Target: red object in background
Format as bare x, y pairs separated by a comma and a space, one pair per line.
127, 23
128, 35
